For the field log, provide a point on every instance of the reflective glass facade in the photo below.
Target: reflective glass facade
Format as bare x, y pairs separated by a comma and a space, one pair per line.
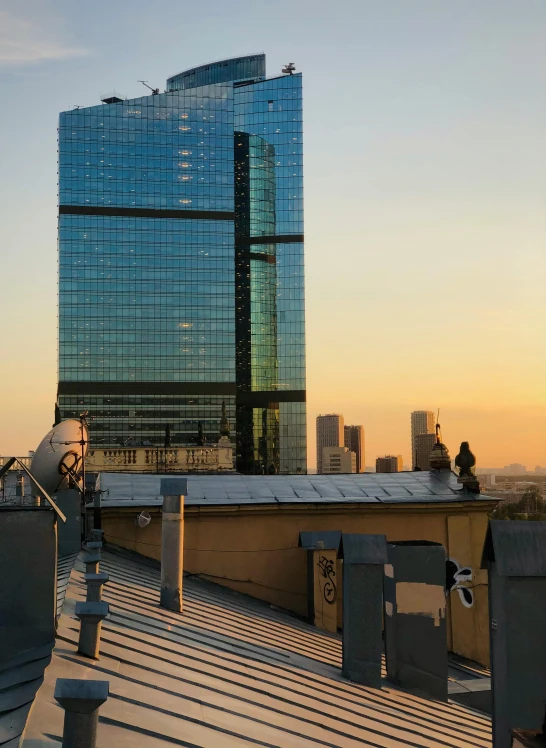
181, 265
234, 70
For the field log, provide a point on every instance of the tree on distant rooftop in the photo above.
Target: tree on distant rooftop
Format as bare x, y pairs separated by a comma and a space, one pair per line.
531, 507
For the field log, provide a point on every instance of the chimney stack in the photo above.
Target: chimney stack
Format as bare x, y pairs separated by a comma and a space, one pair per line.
363, 559
515, 556
91, 616
415, 616
173, 491
80, 700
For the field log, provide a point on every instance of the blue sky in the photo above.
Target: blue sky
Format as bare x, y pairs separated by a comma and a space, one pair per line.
425, 197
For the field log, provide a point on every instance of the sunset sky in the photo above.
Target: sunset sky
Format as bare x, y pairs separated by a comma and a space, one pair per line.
425, 198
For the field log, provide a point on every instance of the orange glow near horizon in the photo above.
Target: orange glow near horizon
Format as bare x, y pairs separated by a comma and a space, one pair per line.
425, 220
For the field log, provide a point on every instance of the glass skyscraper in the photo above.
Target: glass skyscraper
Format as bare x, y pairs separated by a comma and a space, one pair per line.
181, 281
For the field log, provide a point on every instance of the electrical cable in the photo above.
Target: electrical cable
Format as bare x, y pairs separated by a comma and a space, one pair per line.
212, 550
205, 575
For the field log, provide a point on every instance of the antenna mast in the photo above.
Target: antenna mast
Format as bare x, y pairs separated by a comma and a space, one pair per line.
154, 91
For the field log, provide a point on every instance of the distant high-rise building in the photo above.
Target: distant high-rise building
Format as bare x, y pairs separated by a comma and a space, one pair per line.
422, 422
389, 464
338, 460
181, 264
354, 441
424, 444
330, 433
515, 468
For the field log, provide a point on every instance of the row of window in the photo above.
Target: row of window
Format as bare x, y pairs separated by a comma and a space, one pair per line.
93, 325
195, 374
206, 402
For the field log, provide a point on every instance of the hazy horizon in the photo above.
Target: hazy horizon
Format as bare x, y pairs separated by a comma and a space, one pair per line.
425, 197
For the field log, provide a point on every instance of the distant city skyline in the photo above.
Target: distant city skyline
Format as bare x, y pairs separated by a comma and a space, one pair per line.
445, 178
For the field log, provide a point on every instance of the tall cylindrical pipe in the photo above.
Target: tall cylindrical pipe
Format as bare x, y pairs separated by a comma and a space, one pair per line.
173, 491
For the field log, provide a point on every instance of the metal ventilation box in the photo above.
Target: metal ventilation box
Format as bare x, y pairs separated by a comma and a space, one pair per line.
323, 588
515, 556
363, 559
415, 620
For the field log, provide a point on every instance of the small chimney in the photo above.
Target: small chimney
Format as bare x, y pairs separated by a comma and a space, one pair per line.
81, 700
91, 616
173, 491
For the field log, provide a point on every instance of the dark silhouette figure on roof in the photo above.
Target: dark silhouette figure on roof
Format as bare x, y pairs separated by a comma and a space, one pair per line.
465, 460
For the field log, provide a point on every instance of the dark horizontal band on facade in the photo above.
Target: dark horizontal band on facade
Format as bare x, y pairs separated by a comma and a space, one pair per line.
271, 239
271, 259
146, 388
104, 210
224, 389
263, 399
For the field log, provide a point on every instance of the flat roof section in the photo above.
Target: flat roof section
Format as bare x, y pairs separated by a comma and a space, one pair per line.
128, 489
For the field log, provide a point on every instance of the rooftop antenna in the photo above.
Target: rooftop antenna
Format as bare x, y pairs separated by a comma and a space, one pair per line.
289, 69
438, 429
154, 91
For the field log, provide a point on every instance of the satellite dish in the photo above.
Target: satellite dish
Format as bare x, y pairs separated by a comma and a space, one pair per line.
60, 455
143, 519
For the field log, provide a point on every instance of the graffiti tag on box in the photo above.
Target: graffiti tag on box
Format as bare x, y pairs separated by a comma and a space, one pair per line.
326, 570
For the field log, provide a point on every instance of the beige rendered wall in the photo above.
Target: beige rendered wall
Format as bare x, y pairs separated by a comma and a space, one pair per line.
469, 626
253, 549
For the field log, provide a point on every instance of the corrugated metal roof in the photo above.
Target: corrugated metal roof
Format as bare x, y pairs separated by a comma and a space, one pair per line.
65, 564
22, 675
229, 671
213, 490
518, 548
20, 678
